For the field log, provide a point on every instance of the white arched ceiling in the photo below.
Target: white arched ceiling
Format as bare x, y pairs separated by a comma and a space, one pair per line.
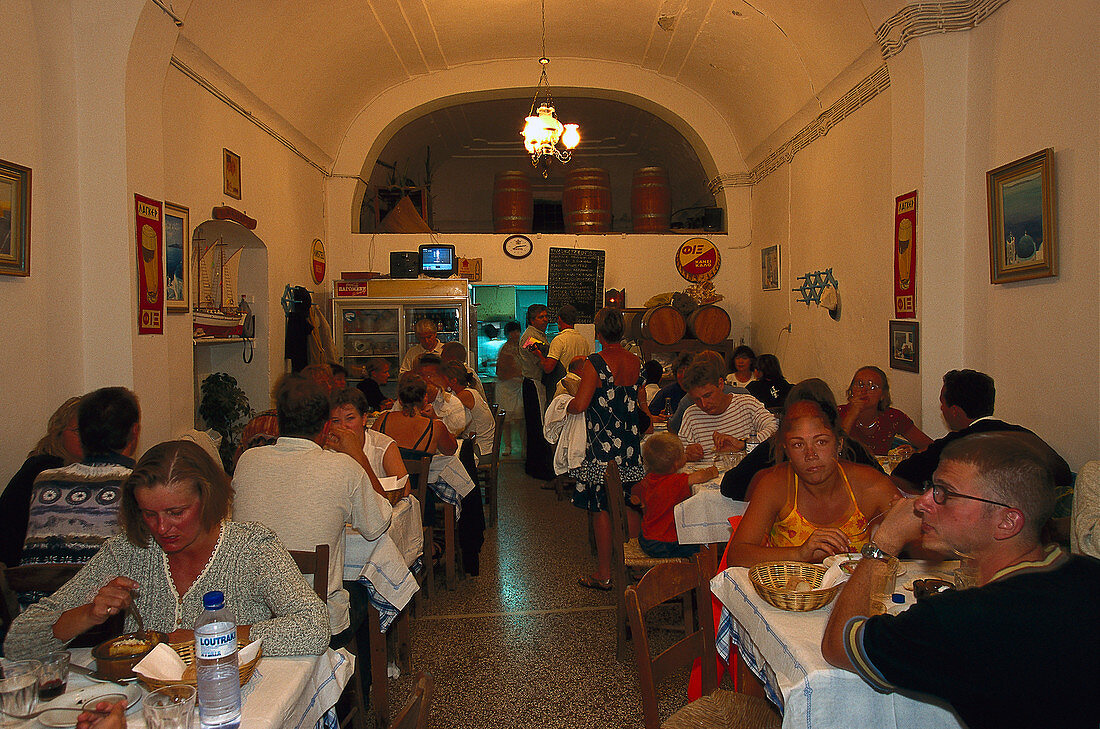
320, 65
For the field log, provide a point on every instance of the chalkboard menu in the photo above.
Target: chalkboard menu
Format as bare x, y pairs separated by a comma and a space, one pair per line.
575, 276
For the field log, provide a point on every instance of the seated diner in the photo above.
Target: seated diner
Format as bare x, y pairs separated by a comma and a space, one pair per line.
868, 417
178, 544
811, 504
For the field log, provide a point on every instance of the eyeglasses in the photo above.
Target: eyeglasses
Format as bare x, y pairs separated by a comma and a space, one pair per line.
940, 494
864, 385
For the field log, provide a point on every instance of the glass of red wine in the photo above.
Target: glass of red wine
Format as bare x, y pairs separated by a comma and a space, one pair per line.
54, 676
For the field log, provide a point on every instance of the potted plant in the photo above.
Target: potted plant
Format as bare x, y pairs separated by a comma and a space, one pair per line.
225, 408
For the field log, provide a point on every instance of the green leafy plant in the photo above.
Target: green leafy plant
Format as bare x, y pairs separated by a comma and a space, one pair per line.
225, 408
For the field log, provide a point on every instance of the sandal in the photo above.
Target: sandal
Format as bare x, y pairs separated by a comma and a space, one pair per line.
591, 582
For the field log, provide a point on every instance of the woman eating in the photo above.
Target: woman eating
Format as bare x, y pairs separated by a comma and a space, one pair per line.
177, 544
814, 505
480, 421
869, 418
611, 395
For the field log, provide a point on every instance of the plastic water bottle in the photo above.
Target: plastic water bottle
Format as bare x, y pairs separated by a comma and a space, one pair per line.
217, 677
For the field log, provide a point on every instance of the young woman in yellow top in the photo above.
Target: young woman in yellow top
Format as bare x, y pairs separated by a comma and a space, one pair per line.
813, 505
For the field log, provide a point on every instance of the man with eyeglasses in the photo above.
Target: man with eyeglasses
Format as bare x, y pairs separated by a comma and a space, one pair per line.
1018, 650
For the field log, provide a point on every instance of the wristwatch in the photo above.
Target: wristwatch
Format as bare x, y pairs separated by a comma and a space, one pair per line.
872, 551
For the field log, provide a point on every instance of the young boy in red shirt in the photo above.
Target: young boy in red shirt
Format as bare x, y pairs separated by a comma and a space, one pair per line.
659, 492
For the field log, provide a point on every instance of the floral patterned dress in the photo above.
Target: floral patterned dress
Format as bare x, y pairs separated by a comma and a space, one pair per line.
613, 433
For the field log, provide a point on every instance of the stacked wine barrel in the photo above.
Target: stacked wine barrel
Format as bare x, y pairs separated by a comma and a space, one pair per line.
513, 202
665, 325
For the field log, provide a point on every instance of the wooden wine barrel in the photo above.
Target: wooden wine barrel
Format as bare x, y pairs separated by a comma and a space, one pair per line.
586, 201
650, 205
663, 325
513, 203
709, 324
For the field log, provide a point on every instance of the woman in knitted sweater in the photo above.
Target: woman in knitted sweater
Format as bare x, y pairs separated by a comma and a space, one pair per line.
176, 546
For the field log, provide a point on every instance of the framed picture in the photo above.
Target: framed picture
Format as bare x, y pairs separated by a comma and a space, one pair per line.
231, 166
769, 268
15, 219
1023, 242
177, 257
905, 345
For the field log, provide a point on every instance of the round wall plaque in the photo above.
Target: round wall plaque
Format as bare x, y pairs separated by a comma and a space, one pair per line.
698, 260
317, 260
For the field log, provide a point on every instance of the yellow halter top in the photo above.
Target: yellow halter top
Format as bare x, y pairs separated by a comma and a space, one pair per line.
793, 530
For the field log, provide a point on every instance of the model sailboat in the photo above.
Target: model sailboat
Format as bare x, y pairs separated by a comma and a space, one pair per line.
218, 311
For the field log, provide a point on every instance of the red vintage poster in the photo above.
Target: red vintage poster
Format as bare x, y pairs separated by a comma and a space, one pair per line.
905, 256
149, 228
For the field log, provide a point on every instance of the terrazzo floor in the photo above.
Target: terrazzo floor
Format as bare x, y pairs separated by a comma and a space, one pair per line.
522, 644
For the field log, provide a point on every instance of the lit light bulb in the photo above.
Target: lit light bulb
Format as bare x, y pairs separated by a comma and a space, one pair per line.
571, 137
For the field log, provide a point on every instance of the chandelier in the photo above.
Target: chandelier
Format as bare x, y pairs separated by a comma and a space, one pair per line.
542, 132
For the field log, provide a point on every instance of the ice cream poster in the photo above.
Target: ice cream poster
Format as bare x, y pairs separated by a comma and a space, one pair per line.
905, 256
149, 230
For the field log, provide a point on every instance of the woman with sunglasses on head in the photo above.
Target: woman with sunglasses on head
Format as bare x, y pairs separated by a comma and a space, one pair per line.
812, 504
868, 417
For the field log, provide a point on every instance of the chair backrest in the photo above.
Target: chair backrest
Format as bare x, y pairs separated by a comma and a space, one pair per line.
414, 714
418, 469
48, 579
314, 563
660, 584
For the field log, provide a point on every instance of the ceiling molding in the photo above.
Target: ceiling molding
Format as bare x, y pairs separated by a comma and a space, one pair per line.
914, 21
849, 103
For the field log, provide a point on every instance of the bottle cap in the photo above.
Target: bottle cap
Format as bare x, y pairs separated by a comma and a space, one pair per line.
898, 598
213, 600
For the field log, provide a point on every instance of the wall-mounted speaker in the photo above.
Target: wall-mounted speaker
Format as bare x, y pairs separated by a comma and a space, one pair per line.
404, 264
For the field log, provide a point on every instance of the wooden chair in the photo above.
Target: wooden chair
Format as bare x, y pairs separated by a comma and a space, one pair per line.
47, 579
487, 472
418, 475
315, 563
716, 707
414, 715
626, 554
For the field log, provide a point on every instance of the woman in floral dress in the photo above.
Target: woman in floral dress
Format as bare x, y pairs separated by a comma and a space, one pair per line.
611, 396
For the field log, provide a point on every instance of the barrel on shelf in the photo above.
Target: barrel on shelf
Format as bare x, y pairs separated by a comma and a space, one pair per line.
661, 325
650, 204
709, 324
513, 202
586, 201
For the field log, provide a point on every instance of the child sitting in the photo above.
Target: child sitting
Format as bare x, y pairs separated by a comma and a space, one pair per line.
660, 491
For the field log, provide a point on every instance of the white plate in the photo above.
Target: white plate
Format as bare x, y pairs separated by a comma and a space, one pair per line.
87, 696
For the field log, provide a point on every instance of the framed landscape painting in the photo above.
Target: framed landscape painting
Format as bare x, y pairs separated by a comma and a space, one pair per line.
905, 345
177, 255
1023, 242
15, 219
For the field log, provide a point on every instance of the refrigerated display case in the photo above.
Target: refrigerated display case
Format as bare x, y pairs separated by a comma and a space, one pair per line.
376, 319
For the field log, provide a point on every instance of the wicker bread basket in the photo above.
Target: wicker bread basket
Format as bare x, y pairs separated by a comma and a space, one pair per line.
186, 651
775, 582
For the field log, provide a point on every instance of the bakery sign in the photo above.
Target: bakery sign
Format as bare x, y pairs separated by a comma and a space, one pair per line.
698, 260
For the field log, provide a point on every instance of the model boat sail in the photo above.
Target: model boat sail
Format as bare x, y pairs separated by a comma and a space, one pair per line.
218, 312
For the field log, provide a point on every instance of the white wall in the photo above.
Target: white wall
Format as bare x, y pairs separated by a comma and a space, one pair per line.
1039, 339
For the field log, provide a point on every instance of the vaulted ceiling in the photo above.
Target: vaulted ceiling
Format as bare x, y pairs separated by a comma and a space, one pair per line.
318, 63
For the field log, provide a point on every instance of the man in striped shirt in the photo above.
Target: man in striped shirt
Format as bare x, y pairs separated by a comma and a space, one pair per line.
719, 420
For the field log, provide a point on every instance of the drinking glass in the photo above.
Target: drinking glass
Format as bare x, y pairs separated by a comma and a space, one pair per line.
18, 690
966, 576
54, 676
171, 707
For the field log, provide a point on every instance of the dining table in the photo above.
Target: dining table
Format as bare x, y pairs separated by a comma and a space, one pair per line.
782, 648
384, 564
284, 692
704, 517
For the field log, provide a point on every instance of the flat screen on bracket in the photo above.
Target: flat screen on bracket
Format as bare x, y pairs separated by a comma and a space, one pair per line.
437, 260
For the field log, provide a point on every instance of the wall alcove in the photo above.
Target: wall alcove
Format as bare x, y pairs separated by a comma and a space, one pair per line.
253, 377
453, 153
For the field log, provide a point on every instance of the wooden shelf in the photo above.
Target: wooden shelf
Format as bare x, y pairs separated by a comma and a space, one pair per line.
199, 341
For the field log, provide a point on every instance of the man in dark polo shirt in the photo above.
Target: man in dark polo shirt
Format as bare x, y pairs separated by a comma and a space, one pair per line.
1018, 650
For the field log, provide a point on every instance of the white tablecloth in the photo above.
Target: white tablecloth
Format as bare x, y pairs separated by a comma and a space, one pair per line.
289, 692
705, 517
783, 649
385, 561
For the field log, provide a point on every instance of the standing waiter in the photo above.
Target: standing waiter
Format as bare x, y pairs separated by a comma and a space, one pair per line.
539, 456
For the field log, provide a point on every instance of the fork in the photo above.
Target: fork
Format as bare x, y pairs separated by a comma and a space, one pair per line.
33, 714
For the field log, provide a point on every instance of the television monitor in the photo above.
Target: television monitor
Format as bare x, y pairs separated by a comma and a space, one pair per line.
437, 259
